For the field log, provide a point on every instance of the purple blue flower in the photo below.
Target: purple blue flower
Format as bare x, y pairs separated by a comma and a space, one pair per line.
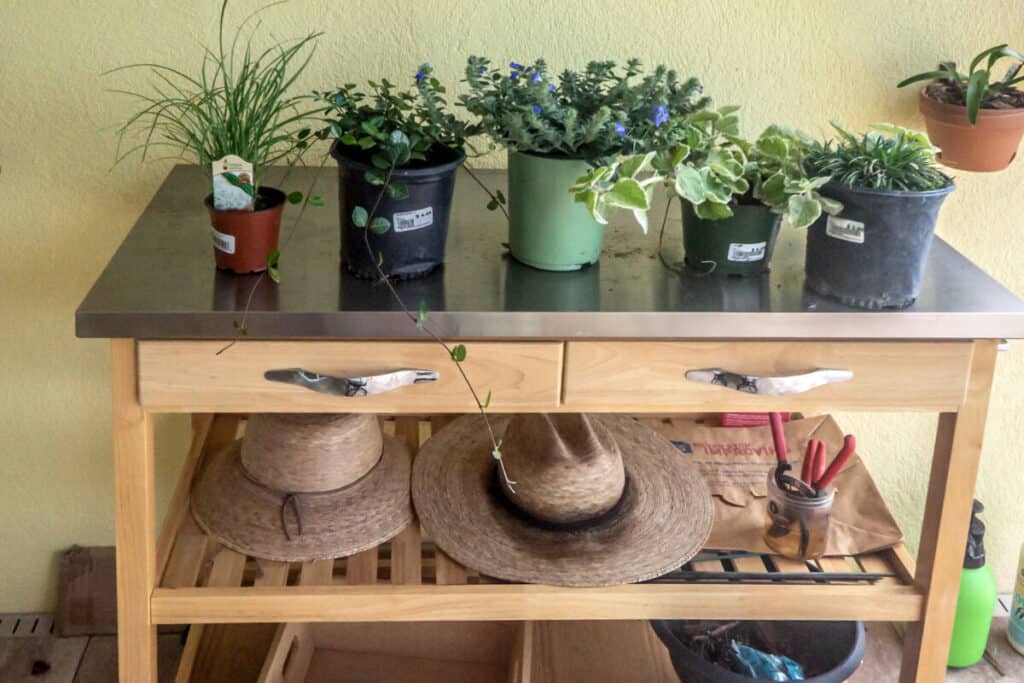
620, 130
483, 69
514, 76
420, 75
537, 109
536, 78
515, 66
551, 88
659, 114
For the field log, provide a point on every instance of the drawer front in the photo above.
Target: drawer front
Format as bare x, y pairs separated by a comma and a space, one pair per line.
189, 376
651, 376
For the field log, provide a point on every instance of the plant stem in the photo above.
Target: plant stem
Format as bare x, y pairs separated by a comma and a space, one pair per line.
242, 329
496, 452
487, 190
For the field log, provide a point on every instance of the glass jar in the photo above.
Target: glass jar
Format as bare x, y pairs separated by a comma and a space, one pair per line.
796, 524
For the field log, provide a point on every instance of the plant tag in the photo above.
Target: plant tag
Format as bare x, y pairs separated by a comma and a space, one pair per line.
845, 229
222, 242
404, 221
747, 253
234, 187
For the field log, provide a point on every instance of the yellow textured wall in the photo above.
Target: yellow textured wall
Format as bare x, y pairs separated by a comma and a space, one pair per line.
63, 211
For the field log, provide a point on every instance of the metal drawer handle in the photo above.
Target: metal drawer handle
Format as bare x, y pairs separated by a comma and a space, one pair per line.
351, 386
769, 386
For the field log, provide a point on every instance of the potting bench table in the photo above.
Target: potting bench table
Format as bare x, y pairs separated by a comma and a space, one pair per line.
617, 337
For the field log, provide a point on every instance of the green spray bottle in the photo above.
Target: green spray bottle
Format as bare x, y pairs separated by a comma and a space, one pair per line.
976, 602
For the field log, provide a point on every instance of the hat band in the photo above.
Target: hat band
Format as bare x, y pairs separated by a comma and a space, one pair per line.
293, 499
497, 492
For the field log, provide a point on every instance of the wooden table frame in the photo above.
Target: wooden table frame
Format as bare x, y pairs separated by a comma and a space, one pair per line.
946, 517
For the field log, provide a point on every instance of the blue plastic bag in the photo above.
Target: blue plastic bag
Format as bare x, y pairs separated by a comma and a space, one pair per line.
757, 664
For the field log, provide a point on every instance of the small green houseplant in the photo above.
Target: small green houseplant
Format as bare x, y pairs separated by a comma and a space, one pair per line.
236, 109
975, 117
408, 144
733, 191
873, 255
555, 128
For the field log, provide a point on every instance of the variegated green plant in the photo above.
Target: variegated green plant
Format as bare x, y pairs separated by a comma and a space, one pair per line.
714, 169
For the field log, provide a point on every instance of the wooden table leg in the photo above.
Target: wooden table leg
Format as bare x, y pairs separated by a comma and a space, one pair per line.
946, 519
134, 519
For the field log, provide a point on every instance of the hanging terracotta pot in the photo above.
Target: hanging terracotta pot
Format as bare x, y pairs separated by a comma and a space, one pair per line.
242, 240
989, 145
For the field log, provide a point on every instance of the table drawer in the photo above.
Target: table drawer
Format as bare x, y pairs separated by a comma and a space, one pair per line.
651, 376
189, 376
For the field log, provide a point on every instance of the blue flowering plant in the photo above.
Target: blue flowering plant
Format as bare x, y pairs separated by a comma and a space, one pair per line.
391, 129
708, 163
595, 114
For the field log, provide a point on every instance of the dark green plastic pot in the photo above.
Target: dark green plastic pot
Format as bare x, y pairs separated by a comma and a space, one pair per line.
547, 227
739, 245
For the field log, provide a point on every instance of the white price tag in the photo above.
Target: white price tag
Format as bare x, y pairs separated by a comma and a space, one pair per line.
222, 242
404, 221
845, 229
747, 253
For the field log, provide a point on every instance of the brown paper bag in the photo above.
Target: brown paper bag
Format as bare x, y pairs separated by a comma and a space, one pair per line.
735, 463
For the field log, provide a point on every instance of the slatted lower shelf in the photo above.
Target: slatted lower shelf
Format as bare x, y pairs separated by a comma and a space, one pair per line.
408, 579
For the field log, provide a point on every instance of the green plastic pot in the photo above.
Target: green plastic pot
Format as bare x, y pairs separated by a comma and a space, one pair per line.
547, 228
739, 245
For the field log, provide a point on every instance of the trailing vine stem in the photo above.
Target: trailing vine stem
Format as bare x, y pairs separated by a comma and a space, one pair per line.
422, 325
241, 326
496, 200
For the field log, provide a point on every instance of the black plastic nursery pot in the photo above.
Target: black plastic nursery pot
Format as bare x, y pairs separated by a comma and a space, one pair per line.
873, 254
828, 651
415, 244
739, 245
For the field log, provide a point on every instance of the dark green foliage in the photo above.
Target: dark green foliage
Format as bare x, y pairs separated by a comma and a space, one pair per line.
594, 114
976, 89
886, 158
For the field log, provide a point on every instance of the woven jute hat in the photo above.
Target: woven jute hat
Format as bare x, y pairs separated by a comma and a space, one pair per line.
593, 500
305, 487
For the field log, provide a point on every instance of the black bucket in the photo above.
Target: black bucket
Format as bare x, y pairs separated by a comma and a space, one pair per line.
828, 651
873, 254
741, 244
414, 245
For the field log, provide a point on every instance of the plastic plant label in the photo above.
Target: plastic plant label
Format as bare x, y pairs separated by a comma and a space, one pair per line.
845, 229
234, 185
404, 221
747, 253
222, 242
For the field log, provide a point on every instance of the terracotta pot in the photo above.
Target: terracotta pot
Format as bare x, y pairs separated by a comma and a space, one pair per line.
242, 240
988, 145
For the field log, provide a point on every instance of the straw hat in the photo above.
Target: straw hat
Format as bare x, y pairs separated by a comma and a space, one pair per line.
595, 500
305, 487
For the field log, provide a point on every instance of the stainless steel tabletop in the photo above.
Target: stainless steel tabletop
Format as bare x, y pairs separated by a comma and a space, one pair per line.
162, 283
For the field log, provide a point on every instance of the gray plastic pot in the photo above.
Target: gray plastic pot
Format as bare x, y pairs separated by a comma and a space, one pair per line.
874, 253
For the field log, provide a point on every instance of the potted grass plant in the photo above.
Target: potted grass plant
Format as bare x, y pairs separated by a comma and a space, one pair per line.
556, 129
975, 118
873, 255
235, 117
734, 192
409, 145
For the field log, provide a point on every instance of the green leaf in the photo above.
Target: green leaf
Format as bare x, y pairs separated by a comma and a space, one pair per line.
373, 176
359, 217
367, 142
689, 184
315, 200
459, 353
712, 211
926, 76
499, 196
802, 211
628, 194
397, 190
349, 139
273, 258
487, 401
421, 319
976, 89
294, 197
380, 225
634, 164
380, 259
380, 161
641, 217
492, 205
273, 274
